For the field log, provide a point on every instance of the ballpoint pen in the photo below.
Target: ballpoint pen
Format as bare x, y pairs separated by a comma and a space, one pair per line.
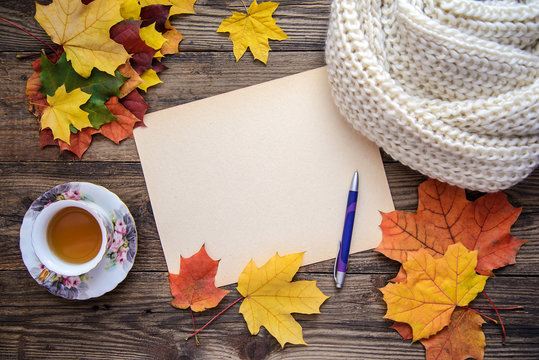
341, 261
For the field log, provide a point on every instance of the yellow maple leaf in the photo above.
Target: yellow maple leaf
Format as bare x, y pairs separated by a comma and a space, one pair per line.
64, 110
152, 38
173, 40
83, 31
150, 78
130, 9
252, 30
177, 6
433, 289
270, 297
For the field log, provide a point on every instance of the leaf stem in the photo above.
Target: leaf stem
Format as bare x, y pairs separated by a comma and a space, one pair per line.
499, 308
246, 10
29, 33
213, 318
194, 328
480, 314
13, 97
497, 313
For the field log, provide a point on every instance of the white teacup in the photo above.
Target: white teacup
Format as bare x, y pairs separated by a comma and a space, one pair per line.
43, 250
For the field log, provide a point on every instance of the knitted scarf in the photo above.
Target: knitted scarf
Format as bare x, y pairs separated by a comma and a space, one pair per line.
449, 88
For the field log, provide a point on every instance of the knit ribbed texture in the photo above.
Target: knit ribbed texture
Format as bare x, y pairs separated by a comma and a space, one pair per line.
449, 88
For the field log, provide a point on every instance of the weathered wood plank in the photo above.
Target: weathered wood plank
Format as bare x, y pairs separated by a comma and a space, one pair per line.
136, 316
22, 182
305, 23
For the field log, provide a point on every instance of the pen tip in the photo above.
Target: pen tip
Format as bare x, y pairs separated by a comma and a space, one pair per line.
355, 182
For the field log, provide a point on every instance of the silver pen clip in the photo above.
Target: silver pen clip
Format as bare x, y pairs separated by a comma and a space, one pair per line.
336, 259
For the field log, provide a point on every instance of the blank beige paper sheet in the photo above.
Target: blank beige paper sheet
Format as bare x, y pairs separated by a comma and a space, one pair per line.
260, 170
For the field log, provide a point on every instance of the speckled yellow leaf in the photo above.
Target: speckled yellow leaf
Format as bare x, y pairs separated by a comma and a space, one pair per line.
271, 297
177, 6
150, 79
83, 31
252, 30
433, 289
64, 110
130, 9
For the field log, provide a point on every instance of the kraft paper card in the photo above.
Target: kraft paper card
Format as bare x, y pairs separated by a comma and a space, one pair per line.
260, 170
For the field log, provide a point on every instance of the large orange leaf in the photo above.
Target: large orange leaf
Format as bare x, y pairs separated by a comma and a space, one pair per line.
194, 286
461, 340
271, 297
433, 289
484, 226
444, 216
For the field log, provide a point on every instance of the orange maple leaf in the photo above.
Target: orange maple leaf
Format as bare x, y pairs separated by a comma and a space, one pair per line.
194, 286
462, 339
444, 216
433, 289
121, 129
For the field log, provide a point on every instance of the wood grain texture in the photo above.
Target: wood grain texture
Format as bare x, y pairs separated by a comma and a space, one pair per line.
135, 320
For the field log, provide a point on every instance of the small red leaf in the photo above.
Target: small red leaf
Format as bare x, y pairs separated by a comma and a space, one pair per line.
194, 286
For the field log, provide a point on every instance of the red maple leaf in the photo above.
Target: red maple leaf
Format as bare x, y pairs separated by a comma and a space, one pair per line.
194, 286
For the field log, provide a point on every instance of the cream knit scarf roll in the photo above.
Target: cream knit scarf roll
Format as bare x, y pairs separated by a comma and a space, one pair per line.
449, 88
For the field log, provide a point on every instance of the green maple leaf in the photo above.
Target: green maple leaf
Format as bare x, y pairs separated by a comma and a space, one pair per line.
99, 84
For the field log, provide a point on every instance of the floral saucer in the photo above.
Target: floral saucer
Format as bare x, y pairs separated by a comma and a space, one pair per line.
117, 261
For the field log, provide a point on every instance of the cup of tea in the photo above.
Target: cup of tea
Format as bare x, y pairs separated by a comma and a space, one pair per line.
70, 236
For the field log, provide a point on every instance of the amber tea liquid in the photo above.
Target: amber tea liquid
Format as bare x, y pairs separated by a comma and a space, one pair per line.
74, 235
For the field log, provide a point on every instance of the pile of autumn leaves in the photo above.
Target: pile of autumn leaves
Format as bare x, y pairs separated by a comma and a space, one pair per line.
447, 250
107, 51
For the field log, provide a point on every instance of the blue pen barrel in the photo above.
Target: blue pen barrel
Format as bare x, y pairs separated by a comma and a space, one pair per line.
344, 251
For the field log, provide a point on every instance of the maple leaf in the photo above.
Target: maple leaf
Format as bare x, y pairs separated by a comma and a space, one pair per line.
100, 85
79, 142
177, 6
64, 111
444, 216
194, 286
36, 101
252, 30
433, 289
157, 15
133, 79
83, 32
150, 78
130, 9
461, 340
121, 129
173, 41
127, 33
135, 103
484, 226
271, 297
152, 38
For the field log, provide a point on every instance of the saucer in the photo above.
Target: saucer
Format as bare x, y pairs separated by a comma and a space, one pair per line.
116, 262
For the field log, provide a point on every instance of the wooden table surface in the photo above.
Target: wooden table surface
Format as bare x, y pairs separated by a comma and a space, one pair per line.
135, 320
